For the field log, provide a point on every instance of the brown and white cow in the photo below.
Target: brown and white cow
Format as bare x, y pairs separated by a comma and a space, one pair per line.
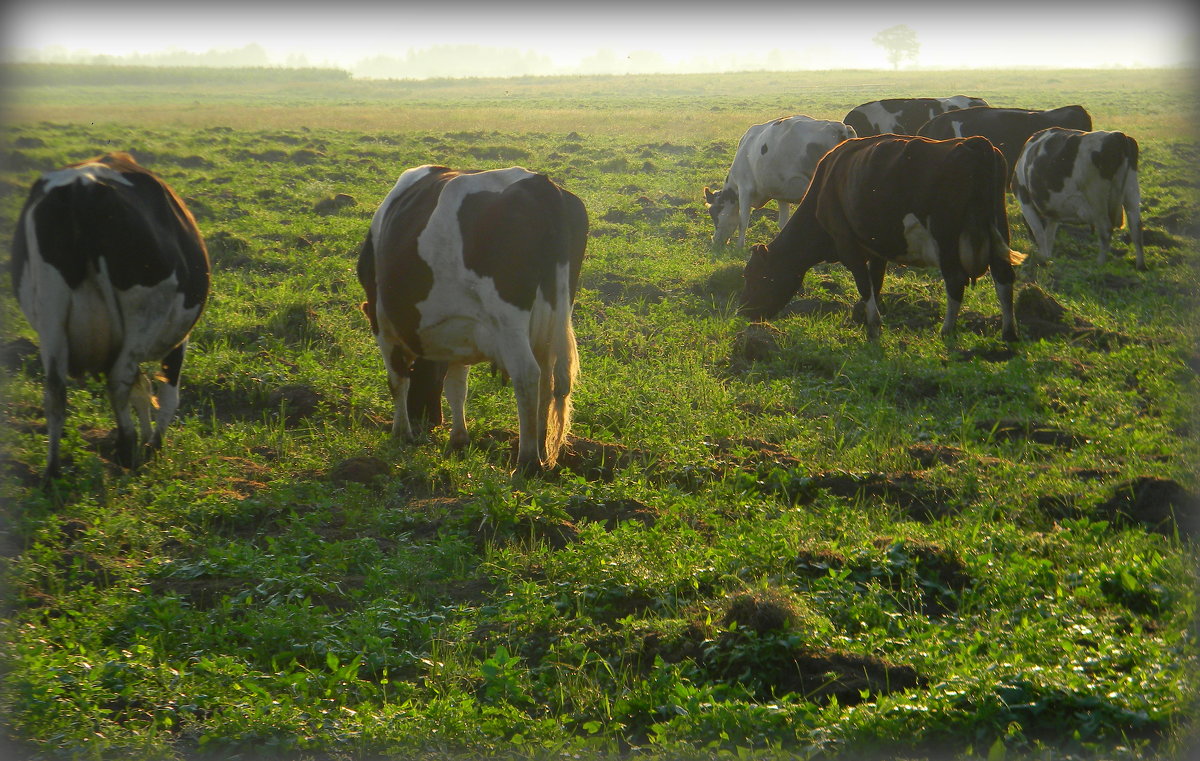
110, 269
1074, 177
1007, 128
894, 198
463, 267
774, 161
903, 116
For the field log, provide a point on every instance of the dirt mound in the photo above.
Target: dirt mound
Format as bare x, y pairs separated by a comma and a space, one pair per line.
1159, 504
760, 612
297, 402
363, 470
1034, 304
757, 342
334, 204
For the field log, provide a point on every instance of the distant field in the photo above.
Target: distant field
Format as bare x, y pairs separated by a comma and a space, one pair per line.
692, 107
770, 541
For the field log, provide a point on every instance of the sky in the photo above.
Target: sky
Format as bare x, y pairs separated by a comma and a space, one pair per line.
683, 35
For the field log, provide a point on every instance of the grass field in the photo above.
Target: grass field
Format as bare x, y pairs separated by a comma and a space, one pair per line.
769, 540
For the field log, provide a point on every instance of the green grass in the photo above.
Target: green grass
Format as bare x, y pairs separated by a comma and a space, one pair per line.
775, 541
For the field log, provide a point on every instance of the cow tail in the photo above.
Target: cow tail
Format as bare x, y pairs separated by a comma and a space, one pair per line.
566, 355
997, 226
366, 277
566, 370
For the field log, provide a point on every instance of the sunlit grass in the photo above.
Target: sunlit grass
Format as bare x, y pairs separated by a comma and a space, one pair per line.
777, 501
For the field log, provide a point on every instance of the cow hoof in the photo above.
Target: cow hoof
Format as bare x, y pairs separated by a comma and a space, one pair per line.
529, 466
404, 437
459, 440
1011, 336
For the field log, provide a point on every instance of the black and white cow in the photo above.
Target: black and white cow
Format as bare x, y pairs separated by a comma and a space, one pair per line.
894, 198
1075, 177
903, 116
110, 269
774, 161
463, 267
1006, 128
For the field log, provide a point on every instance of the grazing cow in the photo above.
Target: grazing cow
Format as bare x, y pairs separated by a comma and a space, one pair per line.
1073, 177
462, 267
894, 198
903, 116
773, 161
1007, 128
111, 271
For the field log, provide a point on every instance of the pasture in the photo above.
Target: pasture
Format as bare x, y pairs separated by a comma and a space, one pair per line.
770, 540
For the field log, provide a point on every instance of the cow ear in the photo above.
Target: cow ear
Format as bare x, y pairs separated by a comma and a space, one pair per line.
708, 194
758, 249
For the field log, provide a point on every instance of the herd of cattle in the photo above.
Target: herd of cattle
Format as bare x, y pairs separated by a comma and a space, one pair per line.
110, 268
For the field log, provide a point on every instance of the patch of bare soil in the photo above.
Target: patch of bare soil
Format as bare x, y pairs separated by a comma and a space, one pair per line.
15, 354
753, 454
616, 287
593, 460
985, 353
911, 492
1158, 504
612, 513
810, 305
929, 455
533, 529
756, 644
1009, 429
935, 575
249, 478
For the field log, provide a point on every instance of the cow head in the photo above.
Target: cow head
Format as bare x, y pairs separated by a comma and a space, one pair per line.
722, 206
768, 284
964, 101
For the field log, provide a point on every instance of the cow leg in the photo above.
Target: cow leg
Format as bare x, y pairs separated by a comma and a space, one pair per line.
398, 370
168, 393
455, 386
54, 402
1003, 277
1042, 231
545, 399
1008, 320
1103, 241
523, 368
121, 377
785, 211
1133, 218
425, 393
141, 396
866, 294
743, 219
956, 284
877, 268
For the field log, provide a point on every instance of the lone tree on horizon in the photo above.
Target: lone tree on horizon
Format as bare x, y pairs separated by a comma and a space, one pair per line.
900, 42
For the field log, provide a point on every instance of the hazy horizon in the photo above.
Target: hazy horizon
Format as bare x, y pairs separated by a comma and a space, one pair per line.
478, 39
